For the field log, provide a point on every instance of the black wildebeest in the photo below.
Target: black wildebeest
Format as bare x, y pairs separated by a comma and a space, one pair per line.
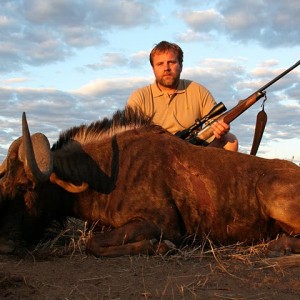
148, 186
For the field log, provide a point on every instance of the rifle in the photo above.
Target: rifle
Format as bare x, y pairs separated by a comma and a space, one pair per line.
204, 136
190, 131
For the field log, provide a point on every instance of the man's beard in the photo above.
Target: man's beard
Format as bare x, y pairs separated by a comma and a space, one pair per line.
169, 81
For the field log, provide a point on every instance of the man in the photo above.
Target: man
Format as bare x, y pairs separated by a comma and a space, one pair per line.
176, 103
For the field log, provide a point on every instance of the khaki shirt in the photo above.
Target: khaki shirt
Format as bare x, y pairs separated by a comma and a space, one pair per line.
178, 111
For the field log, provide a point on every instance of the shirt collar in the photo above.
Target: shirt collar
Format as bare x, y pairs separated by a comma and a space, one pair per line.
158, 93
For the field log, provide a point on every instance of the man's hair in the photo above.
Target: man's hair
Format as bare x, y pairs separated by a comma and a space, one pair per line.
165, 47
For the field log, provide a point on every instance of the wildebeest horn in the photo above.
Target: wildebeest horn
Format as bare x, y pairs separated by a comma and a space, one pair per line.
35, 154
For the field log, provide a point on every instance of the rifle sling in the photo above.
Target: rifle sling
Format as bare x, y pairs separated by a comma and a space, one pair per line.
261, 121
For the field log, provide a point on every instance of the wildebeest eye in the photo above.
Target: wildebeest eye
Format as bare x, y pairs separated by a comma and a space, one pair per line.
20, 189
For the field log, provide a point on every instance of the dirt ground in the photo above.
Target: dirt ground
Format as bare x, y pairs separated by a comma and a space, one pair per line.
60, 269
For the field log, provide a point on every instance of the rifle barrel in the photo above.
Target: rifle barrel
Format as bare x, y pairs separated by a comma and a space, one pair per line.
279, 76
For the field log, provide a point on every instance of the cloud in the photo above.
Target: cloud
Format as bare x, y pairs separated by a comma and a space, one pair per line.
15, 80
108, 87
35, 32
120, 60
213, 73
109, 60
193, 36
124, 13
203, 21
259, 22
51, 111
140, 58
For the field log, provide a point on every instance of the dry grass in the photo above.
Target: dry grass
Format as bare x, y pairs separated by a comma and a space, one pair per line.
198, 271
72, 240
68, 241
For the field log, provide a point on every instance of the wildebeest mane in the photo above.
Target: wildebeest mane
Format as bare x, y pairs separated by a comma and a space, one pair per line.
121, 120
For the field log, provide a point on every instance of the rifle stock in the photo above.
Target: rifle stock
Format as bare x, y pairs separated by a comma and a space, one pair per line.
205, 136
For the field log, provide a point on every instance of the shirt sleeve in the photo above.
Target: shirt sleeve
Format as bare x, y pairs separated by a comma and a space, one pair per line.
135, 100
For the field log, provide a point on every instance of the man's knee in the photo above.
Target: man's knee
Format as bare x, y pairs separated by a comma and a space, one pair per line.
232, 143
228, 142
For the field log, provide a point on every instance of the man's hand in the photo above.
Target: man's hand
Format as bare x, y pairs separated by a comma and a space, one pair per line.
220, 128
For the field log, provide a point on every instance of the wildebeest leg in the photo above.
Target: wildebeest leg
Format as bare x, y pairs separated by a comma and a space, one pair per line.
284, 246
147, 247
135, 237
279, 195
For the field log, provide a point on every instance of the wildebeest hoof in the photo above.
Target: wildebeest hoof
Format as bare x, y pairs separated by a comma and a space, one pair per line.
7, 247
170, 244
163, 247
153, 242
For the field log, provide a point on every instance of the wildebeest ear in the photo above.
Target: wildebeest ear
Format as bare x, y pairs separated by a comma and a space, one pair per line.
68, 186
12, 151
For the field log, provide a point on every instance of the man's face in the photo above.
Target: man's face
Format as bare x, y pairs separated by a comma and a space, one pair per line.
167, 69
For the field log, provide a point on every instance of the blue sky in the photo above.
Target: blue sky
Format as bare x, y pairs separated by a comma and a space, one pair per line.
70, 62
